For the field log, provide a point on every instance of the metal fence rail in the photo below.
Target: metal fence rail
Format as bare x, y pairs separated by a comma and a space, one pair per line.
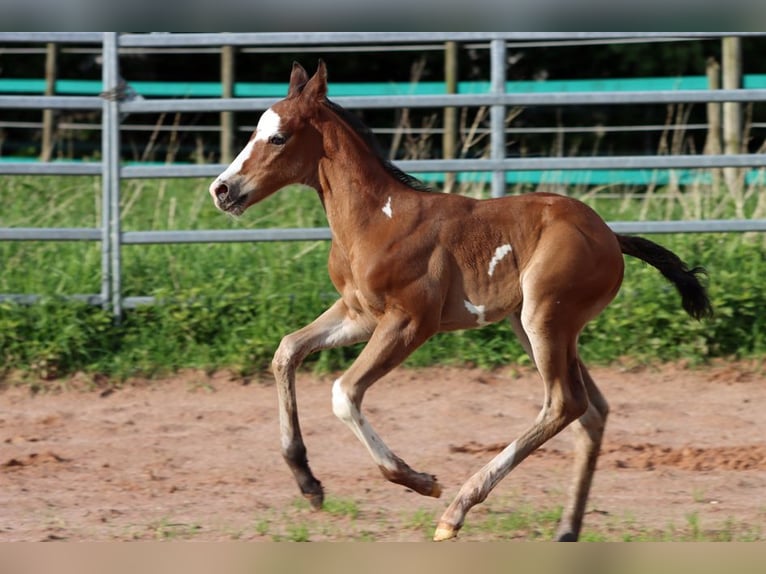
112, 238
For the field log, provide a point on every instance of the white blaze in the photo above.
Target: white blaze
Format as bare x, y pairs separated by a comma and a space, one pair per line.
500, 252
236, 166
267, 126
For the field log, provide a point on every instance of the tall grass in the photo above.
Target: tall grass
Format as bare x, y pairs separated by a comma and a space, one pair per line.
228, 305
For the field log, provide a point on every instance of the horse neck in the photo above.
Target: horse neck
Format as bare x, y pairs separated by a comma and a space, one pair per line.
354, 185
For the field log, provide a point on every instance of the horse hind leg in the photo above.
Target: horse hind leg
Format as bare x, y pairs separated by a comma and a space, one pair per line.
589, 431
565, 400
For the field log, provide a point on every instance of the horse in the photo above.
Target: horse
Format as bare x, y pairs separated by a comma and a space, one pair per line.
409, 262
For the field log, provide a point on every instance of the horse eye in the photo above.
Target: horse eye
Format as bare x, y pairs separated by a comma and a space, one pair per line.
277, 139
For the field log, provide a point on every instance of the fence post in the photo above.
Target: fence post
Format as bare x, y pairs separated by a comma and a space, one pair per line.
449, 139
227, 91
497, 113
713, 139
110, 142
51, 53
731, 57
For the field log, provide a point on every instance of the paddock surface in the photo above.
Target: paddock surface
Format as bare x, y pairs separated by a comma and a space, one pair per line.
197, 457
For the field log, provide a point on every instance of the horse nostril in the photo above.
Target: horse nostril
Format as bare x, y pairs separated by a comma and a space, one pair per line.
221, 191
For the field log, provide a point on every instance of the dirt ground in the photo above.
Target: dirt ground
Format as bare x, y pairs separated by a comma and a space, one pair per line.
197, 457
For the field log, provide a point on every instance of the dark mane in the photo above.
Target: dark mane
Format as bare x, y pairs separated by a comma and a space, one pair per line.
369, 138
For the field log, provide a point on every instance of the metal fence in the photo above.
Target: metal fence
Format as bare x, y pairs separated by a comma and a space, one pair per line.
111, 105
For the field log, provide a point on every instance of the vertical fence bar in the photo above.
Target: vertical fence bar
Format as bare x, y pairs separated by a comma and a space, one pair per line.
51, 53
497, 113
111, 164
731, 66
106, 193
227, 91
450, 137
713, 139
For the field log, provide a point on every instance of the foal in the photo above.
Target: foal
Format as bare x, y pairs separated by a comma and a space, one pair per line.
408, 264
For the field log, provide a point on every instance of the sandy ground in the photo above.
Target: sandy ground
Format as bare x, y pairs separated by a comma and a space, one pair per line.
197, 457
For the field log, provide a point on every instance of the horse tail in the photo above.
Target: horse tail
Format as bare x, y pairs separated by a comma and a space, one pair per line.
694, 297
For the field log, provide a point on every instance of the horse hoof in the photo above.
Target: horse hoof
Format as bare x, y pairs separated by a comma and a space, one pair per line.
436, 490
566, 537
444, 532
316, 499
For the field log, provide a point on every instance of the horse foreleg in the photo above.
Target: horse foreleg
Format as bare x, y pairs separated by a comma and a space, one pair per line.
334, 328
395, 337
589, 430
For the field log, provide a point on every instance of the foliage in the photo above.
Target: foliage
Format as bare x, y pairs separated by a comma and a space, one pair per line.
228, 305
536, 61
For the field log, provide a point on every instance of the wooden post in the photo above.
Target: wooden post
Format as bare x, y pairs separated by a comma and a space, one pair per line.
732, 80
713, 140
46, 149
449, 138
227, 118
731, 56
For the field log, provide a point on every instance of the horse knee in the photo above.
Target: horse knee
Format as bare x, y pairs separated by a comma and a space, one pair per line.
285, 356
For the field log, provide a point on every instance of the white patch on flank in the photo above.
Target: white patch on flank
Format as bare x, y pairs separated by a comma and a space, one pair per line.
387, 209
500, 252
267, 126
477, 310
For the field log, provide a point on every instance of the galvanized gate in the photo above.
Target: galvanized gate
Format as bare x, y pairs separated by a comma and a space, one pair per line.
113, 102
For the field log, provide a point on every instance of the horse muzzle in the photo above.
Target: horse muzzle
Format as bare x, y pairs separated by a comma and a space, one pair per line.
227, 197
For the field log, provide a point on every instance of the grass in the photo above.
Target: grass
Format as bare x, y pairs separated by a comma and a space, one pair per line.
349, 520
228, 305
165, 529
525, 523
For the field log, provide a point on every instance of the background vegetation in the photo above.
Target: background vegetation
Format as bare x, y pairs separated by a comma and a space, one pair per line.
526, 62
228, 305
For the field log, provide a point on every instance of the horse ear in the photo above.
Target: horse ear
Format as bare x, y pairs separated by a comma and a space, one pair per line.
316, 88
298, 79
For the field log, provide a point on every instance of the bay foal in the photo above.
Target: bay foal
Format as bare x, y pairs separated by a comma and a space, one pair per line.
408, 264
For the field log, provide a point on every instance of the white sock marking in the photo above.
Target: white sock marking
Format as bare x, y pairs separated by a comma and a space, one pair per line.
345, 410
495, 470
387, 209
500, 252
477, 310
507, 455
341, 406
